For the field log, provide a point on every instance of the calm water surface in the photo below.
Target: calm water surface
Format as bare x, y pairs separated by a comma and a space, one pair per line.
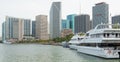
44, 53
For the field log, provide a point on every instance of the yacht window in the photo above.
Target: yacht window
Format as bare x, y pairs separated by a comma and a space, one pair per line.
112, 33
70, 43
88, 44
108, 34
81, 38
104, 34
87, 34
108, 44
78, 38
116, 35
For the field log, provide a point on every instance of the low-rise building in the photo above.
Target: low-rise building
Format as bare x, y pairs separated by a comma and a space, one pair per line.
66, 32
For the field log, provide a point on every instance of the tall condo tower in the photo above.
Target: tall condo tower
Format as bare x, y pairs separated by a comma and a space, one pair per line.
42, 27
100, 14
15, 28
55, 20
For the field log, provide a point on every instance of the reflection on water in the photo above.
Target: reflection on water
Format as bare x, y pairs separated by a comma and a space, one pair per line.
44, 53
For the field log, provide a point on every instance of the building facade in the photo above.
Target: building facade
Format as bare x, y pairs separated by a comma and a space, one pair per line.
3, 31
82, 23
42, 27
27, 27
33, 28
64, 24
100, 14
66, 32
55, 20
71, 22
116, 19
91, 24
13, 28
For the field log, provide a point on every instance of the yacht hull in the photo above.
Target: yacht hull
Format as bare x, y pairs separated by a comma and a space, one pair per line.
95, 51
74, 47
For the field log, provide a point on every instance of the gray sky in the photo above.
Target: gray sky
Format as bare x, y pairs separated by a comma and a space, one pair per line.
28, 9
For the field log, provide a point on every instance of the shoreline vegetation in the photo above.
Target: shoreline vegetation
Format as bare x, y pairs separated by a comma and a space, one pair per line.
56, 41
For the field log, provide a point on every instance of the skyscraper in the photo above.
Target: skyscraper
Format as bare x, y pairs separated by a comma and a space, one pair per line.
3, 31
42, 27
14, 28
91, 24
70, 22
116, 19
100, 14
21, 28
27, 27
55, 20
33, 28
64, 24
82, 23
11, 28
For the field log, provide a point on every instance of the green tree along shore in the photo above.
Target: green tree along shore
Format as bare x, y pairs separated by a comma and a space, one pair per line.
61, 39
51, 41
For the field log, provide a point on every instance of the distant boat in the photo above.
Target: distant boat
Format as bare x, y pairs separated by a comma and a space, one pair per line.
7, 42
103, 41
65, 44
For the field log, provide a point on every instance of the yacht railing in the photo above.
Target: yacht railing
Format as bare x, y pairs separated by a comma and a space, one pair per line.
108, 26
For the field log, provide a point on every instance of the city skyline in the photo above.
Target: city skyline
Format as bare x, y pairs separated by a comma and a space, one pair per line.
30, 8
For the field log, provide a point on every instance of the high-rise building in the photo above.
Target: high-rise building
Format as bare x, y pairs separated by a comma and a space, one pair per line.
70, 23
100, 14
14, 28
91, 24
27, 27
64, 24
11, 28
82, 23
33, 28
116, 19
42, 27
55, 20
21, 28
3, 31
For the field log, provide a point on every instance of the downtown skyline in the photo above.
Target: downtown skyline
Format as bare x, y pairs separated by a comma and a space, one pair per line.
30, 8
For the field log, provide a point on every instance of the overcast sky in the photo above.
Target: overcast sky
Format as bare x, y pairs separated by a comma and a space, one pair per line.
28, 9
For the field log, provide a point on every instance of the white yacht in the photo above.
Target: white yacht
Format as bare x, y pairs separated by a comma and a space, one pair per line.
75, 40
103, 41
